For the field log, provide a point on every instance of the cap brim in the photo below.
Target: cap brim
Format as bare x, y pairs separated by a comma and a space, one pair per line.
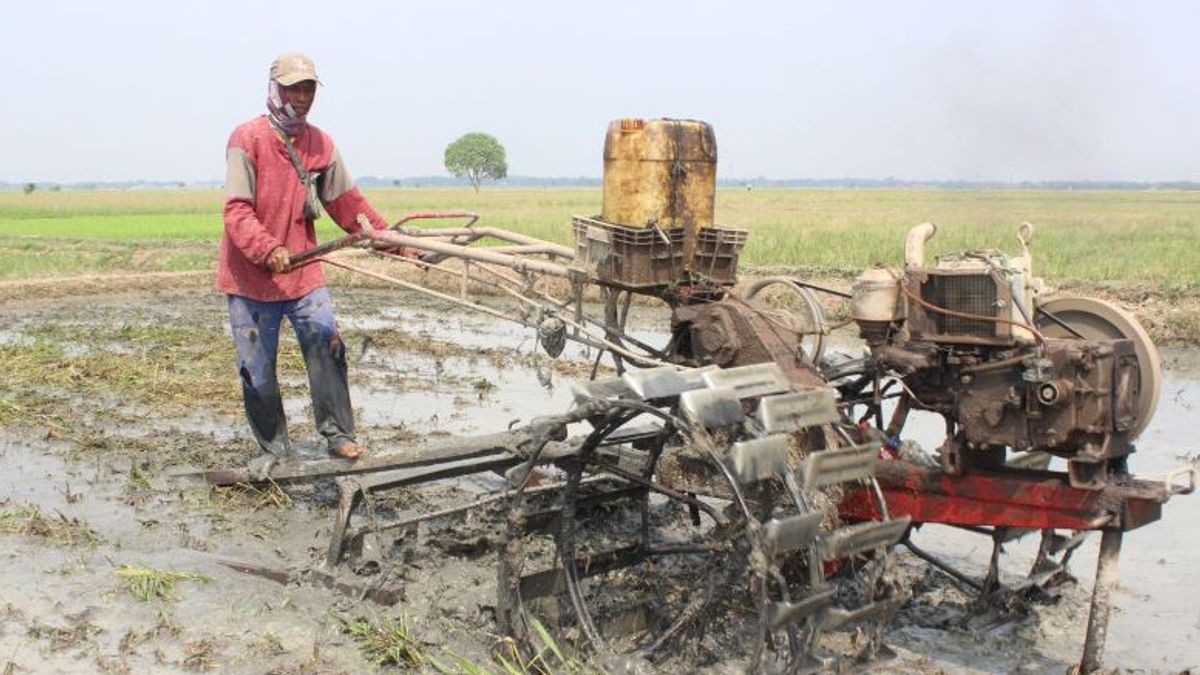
289, 80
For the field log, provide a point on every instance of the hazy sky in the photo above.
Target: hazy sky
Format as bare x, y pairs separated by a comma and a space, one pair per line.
920, 90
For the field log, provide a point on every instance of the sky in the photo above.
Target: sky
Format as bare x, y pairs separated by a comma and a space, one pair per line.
919, 90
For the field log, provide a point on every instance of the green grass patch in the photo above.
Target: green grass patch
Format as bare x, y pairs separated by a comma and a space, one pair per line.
392, 642
387, 642
25, 257
1120, 238
148, 583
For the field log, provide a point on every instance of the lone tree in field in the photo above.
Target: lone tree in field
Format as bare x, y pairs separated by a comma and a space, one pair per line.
29, 188
476, 156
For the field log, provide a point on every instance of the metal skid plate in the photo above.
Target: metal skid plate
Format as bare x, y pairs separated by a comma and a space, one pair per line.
713, 408
758, 459
831, 467
613, 387
785, 413
760, 379
783, 613
787, 534
862, 537
665, 381
836, 617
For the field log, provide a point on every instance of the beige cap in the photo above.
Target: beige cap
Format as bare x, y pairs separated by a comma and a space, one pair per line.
288, 69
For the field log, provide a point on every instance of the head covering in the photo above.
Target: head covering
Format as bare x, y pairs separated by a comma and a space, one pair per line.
286, 70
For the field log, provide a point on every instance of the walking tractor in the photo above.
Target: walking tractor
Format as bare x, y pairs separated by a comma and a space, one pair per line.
742, 489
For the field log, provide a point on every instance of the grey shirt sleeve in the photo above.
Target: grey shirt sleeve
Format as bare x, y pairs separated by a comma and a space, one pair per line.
239, 175
335, 180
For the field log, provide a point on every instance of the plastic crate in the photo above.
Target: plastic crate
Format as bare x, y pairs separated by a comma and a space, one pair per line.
717, 250
625, 256
649, 257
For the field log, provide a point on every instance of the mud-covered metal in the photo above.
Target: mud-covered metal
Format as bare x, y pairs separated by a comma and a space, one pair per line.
733, 434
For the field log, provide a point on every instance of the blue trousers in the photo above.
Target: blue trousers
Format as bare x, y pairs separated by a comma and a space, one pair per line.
255, 327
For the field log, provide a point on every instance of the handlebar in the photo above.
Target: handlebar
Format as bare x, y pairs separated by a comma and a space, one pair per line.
305, 257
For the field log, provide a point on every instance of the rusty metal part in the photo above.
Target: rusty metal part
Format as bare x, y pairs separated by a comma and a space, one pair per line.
305, 257
381, 595
462, 236
967, 352
1073, 398
388, 238
736, 550
1083, 399
581, 335
1025, 499
1010, 498
806, 320
738, 333
1106, 578
930, 319
352, 489
290, 470
1095, 319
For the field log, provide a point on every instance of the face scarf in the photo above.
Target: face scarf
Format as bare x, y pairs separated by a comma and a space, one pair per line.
282, 115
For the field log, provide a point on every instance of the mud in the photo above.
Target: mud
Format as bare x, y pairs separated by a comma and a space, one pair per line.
99, 448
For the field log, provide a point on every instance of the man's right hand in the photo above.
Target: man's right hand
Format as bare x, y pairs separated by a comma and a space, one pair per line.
278, 260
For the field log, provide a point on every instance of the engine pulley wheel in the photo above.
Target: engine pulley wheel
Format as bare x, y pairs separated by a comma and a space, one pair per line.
805, 318
1095, 319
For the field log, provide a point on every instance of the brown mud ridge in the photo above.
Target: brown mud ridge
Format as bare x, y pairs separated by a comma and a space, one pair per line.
110, 385
1169, 318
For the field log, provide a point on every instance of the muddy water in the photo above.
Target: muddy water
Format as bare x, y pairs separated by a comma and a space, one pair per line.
246, 624
1155, 624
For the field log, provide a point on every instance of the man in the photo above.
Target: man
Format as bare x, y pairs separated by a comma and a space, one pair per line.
266, 220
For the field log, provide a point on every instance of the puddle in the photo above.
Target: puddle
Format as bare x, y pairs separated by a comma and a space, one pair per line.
14, 338
1155, 624
1156, 619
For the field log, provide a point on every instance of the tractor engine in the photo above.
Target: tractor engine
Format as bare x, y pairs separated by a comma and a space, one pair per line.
967, 339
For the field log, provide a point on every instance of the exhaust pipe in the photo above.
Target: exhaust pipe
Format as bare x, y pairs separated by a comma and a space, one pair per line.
914, 244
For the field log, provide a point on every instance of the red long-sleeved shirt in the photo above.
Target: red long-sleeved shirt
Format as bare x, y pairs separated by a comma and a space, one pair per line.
264, 208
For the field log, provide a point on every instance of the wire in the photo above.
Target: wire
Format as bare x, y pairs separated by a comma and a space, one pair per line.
970, 317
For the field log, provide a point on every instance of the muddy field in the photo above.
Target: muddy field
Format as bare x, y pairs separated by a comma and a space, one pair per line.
105, 394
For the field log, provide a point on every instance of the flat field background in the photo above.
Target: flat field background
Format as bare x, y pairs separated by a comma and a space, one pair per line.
1119, 239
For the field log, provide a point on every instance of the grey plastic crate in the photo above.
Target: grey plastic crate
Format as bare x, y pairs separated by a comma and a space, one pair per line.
628, 256
649, 257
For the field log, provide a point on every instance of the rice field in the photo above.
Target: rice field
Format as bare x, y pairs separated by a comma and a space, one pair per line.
1116, 239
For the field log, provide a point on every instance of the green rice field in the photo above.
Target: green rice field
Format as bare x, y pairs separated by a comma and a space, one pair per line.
1115, 239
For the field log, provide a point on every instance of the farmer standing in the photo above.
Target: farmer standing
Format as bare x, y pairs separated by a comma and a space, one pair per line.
280, 171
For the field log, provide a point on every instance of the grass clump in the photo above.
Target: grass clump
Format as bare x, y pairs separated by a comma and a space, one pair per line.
549, 657
32, 522
64, 637
148, 583
388, 642
257, 498
391, 642
510, 657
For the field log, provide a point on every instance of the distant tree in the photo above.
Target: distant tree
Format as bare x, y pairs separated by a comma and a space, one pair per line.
29, 188
476, 156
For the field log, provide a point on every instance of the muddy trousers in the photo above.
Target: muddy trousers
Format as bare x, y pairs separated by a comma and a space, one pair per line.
255, 327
